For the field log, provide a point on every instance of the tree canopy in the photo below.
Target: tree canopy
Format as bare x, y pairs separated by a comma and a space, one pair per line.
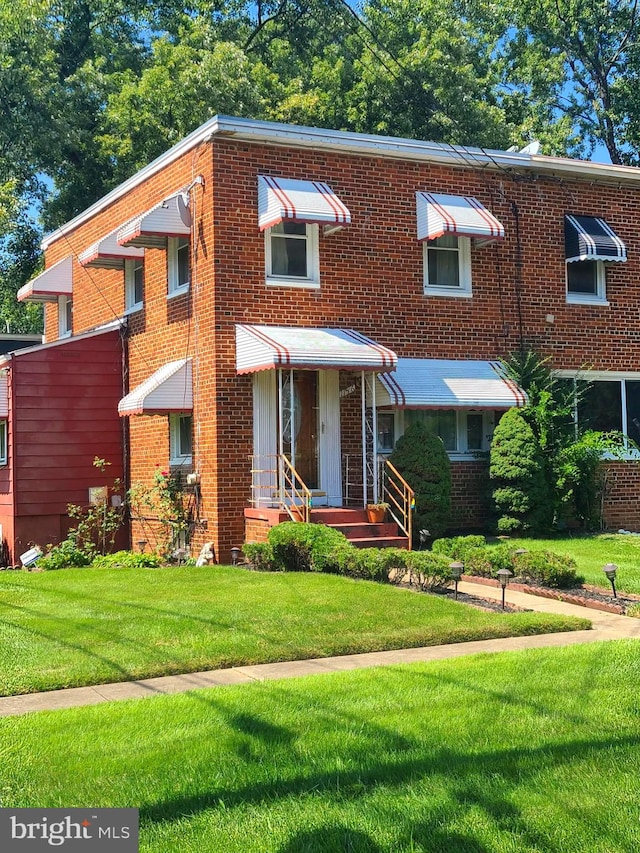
91, 90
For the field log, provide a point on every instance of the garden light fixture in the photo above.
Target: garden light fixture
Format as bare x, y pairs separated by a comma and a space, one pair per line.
610, 571
142, 543
455, 570
235, 556
503, 577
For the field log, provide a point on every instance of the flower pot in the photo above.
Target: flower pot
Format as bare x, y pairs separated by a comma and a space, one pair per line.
376, 514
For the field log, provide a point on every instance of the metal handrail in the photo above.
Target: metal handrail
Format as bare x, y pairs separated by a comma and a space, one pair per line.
295, 495
400, 497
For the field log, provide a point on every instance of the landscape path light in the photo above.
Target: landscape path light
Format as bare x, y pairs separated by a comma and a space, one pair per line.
503, 577
235, 555
455, 570
610, 571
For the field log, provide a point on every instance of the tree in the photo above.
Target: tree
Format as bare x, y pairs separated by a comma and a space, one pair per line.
422, 460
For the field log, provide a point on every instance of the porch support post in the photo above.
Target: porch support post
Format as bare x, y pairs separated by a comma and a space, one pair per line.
280, 438
363, 396
374, 437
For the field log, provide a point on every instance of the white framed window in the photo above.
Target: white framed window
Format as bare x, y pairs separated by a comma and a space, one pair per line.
292, 255
178, 265
133, 284
386, 431
447, 266
3, 443
65, 316
465, 433
181, 439
586, 282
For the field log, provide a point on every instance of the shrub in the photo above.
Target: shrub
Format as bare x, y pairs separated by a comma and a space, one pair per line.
420, 457
457, 546
548, 569
260, 555
301, 547
372, 564
521, 494
126, 560
64, 556
428, 570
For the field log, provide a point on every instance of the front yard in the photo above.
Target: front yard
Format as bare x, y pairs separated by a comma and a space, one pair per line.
89, 626
512, 753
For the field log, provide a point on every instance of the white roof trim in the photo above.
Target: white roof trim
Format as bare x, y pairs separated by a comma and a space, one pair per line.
170, 218
275, 133
169, 389
53, 282
284, 199
424, 383
107, 253
270, 347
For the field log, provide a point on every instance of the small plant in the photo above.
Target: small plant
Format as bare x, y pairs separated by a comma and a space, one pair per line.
126, 560
64, 556
160, 509
260, 555
427, 570
457, 546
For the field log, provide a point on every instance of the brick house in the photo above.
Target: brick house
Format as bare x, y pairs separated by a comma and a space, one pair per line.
291, 298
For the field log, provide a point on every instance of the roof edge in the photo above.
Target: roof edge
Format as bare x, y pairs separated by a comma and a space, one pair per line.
278, 133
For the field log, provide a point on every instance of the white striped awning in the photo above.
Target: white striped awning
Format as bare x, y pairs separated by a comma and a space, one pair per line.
426, 383
169, 389
286, 200
588, 238
107, 253
269, 347
170, 218
53, 282
463, 216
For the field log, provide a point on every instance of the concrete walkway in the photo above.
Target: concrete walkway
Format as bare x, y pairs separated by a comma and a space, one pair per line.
606, 626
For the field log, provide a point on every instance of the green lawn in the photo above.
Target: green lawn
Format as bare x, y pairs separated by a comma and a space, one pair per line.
593, 552
528, 752
90, 626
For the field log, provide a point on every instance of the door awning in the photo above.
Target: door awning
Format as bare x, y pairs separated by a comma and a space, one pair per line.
107, 253
425, 383
462, 216
50, 284
150, 230
269, 347
286, 200
169, 389
588, 238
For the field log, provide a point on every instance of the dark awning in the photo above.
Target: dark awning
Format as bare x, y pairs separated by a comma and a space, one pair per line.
588, 238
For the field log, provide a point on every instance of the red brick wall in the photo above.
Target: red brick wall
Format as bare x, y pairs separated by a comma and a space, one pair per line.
371, 280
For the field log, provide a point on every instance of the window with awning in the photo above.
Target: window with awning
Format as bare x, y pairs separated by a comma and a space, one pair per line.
462, 216
168, 389
170, 218
107, 253
590, 238
288, 200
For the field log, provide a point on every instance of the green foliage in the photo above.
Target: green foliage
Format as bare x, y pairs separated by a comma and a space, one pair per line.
457, 547
428, 570
420, 457
547, 569
374, 564
64, 556
97, 524
301, 547
521, 491
161, 511
260, 555
126, 560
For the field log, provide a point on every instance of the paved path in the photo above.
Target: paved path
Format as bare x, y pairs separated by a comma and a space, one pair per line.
606, 626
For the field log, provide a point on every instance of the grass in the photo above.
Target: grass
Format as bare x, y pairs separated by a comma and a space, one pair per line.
90, 626
591, 553
528, 752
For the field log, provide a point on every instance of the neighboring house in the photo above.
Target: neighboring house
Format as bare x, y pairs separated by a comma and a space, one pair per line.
299, 295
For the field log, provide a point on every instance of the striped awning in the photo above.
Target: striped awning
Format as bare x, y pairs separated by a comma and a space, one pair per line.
4, 395
50, 284
285, 200
462, 216
425, 383
107, 253
169, 389
170, 218
588, 238
269, 347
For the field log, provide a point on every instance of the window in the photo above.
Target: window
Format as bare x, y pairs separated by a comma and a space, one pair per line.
447, 266
463, 432
3, 442
291, 252
586, 282
608, 405
180, 429
179, 264
386, 431
133, 284
65, 316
